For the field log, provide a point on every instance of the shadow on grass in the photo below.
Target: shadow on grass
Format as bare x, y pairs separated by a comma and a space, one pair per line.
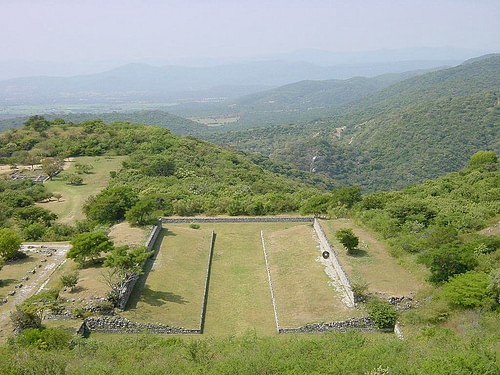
357, 253
157, 298
77, 289
7, 282
143, 293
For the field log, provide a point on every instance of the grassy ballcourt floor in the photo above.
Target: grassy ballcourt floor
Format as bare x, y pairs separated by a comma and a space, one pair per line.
239, 299
372, 263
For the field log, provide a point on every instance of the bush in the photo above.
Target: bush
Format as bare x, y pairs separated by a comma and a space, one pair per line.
194, 226
43, 338
468, 290
347, 238
382, 313
23, 320
70, 280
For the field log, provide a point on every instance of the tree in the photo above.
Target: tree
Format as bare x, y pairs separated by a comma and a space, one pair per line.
110, 205
9, 243
73, 179
348, 239
494, 285
70, 280
88, 246
35, 214
483, 160
37, 122
449, 260
83, 168
125, 265
58, 196
141, 212
52, 166
468, 290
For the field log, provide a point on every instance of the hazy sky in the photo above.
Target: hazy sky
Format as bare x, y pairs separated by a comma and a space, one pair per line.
154, 30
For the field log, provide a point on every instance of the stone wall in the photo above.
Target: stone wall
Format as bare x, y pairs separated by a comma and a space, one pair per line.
207, 283
364, 324
129, 288
270, 282
116, 324
239, 219
325, 246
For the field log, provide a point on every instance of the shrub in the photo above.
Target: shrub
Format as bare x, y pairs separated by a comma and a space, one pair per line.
194, 226
43, 338
382, 313
468, 290
347, 238
70, 280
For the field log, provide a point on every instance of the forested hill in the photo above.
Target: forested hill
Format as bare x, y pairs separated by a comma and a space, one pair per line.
173, 174
305, 99
416, 129
176, 124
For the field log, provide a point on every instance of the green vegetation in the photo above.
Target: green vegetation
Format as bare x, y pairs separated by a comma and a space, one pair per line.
435, 352
171, 289
89, 246
70, 280
382, 313
416, 129
9, 243
348, 239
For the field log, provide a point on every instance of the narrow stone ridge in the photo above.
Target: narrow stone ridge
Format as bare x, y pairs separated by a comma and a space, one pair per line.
240, 219
270, 282
207, 283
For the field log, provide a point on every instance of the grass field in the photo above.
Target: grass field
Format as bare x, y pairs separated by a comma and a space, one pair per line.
69, 208
304, 292
171, 289
239, 298
372, 263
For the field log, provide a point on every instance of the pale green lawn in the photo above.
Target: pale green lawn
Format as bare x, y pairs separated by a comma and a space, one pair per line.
373, 264
172, 292
69, 208
239, 298
303, 291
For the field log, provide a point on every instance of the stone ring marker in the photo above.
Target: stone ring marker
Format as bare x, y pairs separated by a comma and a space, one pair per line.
325, 254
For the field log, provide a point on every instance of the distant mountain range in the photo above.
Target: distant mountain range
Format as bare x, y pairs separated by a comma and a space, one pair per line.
150, 84
419, 128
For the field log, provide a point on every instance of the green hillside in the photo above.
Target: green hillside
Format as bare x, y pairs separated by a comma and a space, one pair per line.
176, 124
167, 173
420, 128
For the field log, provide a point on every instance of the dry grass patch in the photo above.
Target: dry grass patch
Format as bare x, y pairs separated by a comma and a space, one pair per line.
125, 234
372, 263
304, 293
91, 282
171, 289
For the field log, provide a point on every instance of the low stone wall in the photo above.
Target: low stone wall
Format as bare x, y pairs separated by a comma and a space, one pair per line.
270, 282
207, 283
129, 288
364, 324
116, 324
325, 246
239, 219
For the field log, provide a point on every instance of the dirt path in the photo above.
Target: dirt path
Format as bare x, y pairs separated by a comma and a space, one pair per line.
43, 271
